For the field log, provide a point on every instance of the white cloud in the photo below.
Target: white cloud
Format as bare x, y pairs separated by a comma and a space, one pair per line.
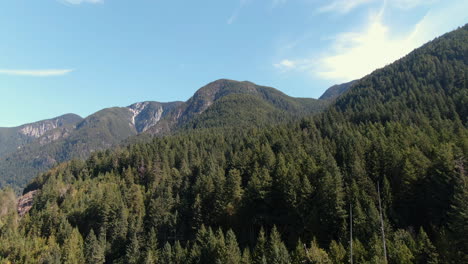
36, 73
285, 64
359, 53
354, 54
77, 2
301, 65
343, 6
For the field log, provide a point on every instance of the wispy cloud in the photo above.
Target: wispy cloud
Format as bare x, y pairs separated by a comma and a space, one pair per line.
236, 12
77, 2
356, 53
342, 6
36, 73
301, 65
286, 64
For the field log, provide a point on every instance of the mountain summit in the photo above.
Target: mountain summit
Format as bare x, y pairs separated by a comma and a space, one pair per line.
33, 148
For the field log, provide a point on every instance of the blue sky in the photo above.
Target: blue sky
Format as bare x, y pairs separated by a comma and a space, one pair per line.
79, 56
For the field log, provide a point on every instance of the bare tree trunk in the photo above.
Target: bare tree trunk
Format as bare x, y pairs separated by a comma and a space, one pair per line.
351, 233
382, 225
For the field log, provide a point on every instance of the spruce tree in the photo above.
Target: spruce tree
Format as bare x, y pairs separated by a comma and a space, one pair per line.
233, 253
277, 251
93, 248
73, 248
426, 252
260, 251
166, 254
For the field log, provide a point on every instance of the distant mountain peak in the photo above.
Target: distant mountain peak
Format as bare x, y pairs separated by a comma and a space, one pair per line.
136, 109
336, 90
38, 129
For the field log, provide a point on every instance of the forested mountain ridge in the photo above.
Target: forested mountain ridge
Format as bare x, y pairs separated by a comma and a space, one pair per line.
225, 103
430, 82
336, 90
222, 103
12, 138
98, 131
281, 194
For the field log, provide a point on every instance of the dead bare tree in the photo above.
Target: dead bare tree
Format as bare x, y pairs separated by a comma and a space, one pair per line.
382, 225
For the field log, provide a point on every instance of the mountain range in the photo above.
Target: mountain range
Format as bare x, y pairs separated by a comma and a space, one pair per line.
31, 148
377, 175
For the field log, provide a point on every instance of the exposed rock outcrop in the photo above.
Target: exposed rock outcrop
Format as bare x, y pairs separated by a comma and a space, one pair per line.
25, 202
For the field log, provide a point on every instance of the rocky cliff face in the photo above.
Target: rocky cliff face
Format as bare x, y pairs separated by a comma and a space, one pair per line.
38, 129
25, 202
146, 115
45, 131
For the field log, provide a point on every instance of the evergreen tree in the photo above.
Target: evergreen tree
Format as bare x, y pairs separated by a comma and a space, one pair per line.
277, 251
73, 248
337, 252
53, 254
317, 255
246, 258
260, 251
426, 252
233, 191
166, 254
233, 253
179, 254
299, 255
152, 245
458, 213
94, 252
132, 253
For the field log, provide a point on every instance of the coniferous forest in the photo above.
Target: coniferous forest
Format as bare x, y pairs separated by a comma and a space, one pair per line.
387, 160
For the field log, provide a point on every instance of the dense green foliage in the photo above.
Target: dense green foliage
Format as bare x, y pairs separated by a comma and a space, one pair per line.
223, 103
280, 194
99, 131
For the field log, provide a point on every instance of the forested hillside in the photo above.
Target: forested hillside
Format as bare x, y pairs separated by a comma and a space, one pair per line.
14, 138
397, 140
336, 90
222, 103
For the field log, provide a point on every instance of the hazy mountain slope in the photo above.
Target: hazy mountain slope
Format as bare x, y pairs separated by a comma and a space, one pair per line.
12, 138
336, 90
